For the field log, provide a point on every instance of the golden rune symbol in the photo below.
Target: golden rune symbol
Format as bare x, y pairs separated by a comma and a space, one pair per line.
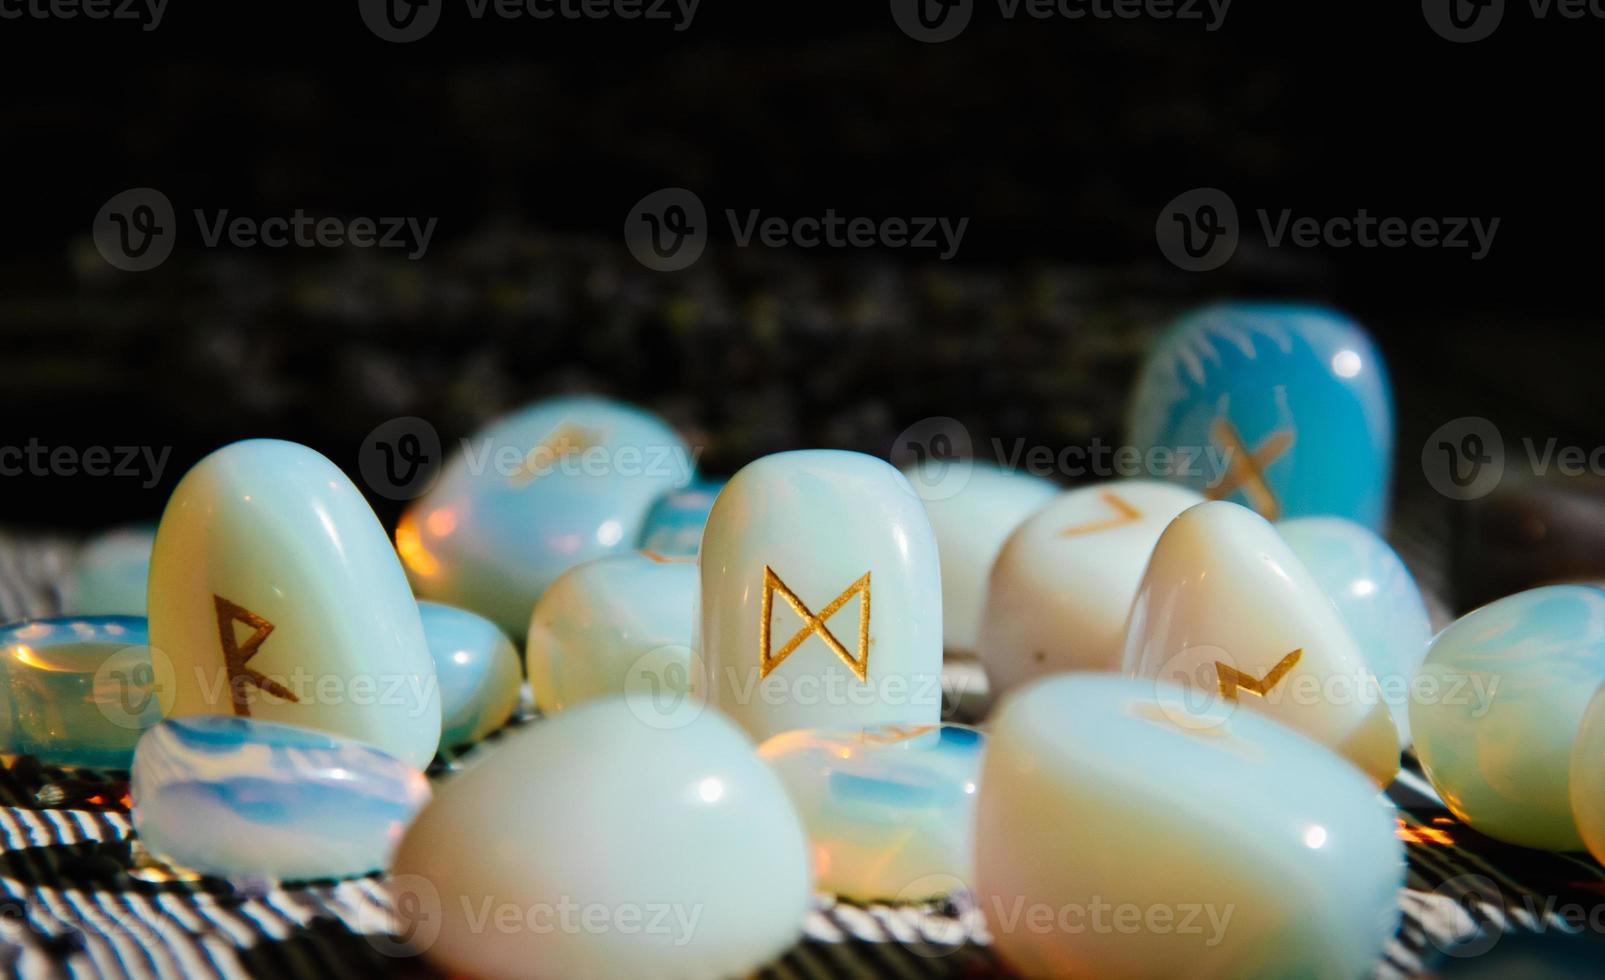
1231, 678
235, 654
566, 440
812, 624
1126, 514
892, 734
1246, 470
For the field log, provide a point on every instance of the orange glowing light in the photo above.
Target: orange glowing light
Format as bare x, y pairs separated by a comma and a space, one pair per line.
410, 546
441, 521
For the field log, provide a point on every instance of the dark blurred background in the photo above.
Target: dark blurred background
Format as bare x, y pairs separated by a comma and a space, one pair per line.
530, 141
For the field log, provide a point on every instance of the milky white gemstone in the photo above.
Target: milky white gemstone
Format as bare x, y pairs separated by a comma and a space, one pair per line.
534, 494
235, 797
1588, 777
971, 525
673, 526
1063, 583
1228, 610
795, 536
612, 626
275, 594
477, 667
890, 810
1498, 707
1377, 598
592, 845
1120, 833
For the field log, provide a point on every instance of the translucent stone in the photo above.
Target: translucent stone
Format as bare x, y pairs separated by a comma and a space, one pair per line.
478, 670
673, 526
111, 573
236, 797
890, 811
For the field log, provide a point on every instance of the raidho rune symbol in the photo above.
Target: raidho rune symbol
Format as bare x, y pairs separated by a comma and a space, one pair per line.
236, 654
768, 659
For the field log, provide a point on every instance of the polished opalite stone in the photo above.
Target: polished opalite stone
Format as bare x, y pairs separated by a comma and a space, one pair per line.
1498, 706
673, 525
477, 667
1299, 397
678, 846
237, 797
613, 626
890, 811
1588, 777
1377, 598
821, 596
276, 595
972, 518
78, 691
110, 574
538, 492
1065, 579
1228, 610
1121, 832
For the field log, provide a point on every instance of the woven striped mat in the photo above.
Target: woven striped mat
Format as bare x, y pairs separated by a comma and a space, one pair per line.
78, 897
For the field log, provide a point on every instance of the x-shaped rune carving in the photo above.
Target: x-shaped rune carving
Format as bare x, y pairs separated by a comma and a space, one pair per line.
1245, 470
812, 624
566, 440
1231, 678
235, 654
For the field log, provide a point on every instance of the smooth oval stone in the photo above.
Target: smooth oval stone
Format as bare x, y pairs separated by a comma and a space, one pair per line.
277, 596
477, 668
890, 811
610, 626
1121, 834
237, 797
1527, 533
679, 848
1283, 408
1064, 581
78, 691
971, 526
111, 573
821, 596
1376, 596
673, 526
1228, 610
538, 492
1498, 706
1588, 777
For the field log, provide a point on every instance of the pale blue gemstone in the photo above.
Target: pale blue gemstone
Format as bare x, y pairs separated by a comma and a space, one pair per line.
478, 670
1106, 792
236, 797
674, 525
890, 810
78, 691
111, 573
1299, 393
1497, 709
1377, 598
540, 491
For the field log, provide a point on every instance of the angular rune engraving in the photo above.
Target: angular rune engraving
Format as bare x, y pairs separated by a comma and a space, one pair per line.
566, 440
235, 654
768, 661
1230, 678
1125, 514
1246, 470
